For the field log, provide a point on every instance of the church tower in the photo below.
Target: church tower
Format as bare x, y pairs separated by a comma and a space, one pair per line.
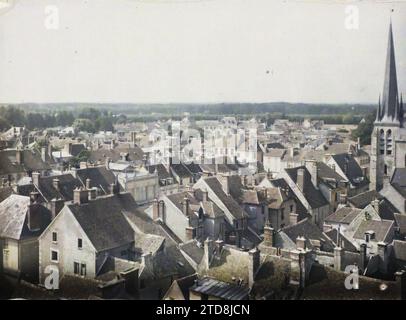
388, 146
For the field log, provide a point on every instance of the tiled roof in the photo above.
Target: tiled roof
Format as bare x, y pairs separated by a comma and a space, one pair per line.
381, 229
363, 199
343, 215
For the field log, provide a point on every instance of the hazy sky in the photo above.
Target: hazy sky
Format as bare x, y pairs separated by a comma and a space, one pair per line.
197, 51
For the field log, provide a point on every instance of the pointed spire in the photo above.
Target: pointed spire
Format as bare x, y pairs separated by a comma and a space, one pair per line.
389, 109
401, 111
378, 111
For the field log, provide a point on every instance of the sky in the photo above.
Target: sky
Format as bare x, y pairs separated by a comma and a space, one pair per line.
191, 51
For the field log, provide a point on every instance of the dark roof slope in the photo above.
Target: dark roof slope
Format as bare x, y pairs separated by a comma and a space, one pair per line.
313, 196
351, 169
363, 199
103, 220
99, 177
67, 183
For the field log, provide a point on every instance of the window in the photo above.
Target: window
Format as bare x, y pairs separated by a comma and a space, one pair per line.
76, 268
291, 208
283, 214
381, 142
54, 256
80, 243
54, 237
389, 142
83, 269
385, 169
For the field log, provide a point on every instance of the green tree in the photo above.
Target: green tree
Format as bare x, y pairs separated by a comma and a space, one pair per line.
364, 129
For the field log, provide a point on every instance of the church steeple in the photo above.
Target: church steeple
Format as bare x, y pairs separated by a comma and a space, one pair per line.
389, 111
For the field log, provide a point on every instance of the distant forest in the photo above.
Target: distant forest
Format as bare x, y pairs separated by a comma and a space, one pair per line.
94, 117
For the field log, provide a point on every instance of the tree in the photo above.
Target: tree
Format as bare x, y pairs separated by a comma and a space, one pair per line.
364, 130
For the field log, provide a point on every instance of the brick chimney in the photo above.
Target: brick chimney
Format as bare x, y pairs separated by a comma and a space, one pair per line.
300, 178
92, 194
155, 208
88, 183
208, 252
362, 256
189, 233
114, 188
161, 211
107, 163
400, 277
80, 196
293, 218
55, 183
34, 217
185, 206
383, 257
253, 265
219, 247
301, 243
19, 156
44, 154
268, 235
56, 206
311, 166
338, 256
205, 196
375, 205
35, 178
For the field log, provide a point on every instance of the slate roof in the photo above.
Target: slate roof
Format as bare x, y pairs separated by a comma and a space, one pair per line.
275, 145
381, 229
5, 192
300, 209
398, 181
134, 154
178, 198
163, 173
193, 250
103, 221
344, 242
99, 177
363, 199
232, 206
31, 161
219, 289
399, 250
325, 172
181, 170
76, 149
185, 283
67, 183
13, 218
343, 215
306, 228
351, 169
313, 196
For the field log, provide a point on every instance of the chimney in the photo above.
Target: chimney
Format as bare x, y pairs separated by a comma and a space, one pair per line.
80, 196
55, 183
300, 178
208, 252
311, 166
131, 277
107, 163
226, 187
219, 247
92, 194
34, 218
268, 235
401, 283
293, 218
56, 206
362, 256
185, 205
375, 205
44, 154
292, 152
88, 182
49, 150
35, 178
301, 243
83, 165
346, 167
19, 156
112, 144
189, 233
114, 188
155, 208
205, 196
147, 261
253, 265
383, 257
338, 256
161, 210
